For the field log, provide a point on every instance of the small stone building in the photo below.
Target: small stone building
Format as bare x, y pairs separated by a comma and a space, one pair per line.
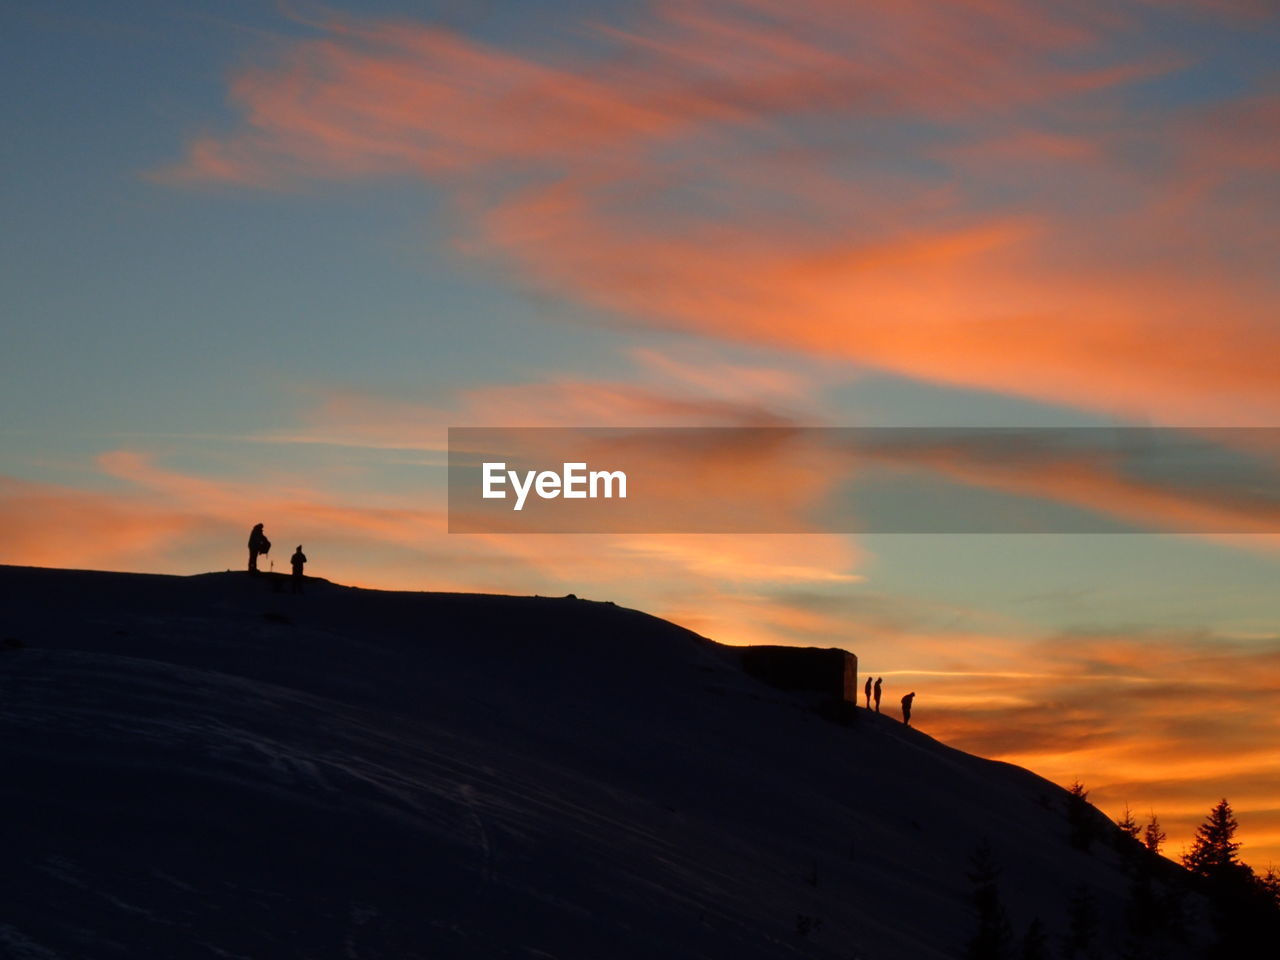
829, 671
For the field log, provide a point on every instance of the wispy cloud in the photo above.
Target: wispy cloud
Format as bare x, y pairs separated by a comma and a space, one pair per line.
1163, 720
686, 174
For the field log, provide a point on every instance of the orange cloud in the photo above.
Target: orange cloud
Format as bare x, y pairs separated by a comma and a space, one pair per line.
379, 96
1166, 722
983, 305
1039, 148
698, 388
1096, 478
575, 174
1161, 720
48, 525
158, 518
785, 477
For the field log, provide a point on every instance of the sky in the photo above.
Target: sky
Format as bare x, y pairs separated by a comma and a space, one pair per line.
258, 258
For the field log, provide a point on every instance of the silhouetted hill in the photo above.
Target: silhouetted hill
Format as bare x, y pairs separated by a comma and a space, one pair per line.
202, 767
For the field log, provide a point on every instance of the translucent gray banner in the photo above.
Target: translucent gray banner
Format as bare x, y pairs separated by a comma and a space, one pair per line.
864, 480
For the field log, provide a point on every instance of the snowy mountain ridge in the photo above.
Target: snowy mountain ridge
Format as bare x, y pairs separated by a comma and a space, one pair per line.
204, 767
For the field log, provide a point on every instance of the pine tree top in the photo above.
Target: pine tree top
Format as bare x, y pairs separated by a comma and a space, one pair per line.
1214, 849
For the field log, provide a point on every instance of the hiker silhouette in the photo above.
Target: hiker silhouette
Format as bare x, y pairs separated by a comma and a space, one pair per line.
876, 692
258, 544
866, 689
298, 560
906, 707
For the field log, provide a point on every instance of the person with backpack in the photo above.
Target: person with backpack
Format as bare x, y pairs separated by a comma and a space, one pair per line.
258, 544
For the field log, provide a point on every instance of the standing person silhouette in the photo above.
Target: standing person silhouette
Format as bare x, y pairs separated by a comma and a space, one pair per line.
906, 707
876, 692
258, 543
298, 560
866, 689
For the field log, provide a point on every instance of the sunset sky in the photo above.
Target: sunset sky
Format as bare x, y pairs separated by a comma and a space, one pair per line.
257, 258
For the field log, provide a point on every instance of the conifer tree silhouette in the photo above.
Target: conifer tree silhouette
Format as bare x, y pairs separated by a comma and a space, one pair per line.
1245, 913
1213, 853
1128, 840
1080, 816
1270, 882
1128, 825
1154, 836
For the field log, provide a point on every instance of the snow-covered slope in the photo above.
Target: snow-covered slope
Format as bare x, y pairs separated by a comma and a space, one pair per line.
202, 767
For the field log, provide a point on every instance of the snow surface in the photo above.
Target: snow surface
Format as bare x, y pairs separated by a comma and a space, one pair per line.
203, 767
